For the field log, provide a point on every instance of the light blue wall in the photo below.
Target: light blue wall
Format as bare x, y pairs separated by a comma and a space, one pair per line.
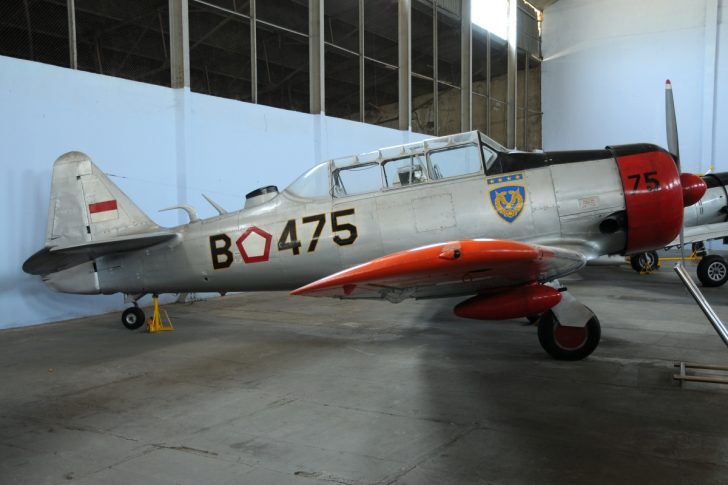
162, 146
605, 64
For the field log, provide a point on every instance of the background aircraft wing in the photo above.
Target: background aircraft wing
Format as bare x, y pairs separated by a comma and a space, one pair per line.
704, 232
449, 269
51, 259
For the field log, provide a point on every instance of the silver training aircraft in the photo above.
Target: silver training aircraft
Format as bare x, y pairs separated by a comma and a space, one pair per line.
450, 216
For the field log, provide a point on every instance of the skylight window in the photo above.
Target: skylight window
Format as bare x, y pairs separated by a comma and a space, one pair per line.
492, 15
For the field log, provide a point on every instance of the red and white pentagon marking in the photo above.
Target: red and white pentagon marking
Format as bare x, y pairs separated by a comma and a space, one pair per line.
254, 245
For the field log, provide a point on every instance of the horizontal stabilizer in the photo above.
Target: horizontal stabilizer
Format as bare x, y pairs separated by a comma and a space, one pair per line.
52, 259
455, 267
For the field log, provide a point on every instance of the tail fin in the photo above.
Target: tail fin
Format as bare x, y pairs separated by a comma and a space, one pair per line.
86, 206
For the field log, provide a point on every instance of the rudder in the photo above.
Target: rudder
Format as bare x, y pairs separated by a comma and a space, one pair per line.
86, 206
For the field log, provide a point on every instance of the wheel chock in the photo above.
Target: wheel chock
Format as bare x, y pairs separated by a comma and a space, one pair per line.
650, 268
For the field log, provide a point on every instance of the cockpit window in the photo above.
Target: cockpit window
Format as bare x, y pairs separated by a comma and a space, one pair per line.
401, 172
401, 166
358, 179
313, 184
453, 162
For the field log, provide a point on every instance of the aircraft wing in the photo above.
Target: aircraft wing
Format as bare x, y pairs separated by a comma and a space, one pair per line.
448, 269
704, 232
56, 258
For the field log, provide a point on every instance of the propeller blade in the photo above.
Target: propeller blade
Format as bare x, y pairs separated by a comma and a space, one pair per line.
671, 123
673, 145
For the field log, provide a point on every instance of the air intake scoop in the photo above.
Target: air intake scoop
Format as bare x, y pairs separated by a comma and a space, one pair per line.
260, 196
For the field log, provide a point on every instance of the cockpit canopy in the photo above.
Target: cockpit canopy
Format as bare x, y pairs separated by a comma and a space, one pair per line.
427, 161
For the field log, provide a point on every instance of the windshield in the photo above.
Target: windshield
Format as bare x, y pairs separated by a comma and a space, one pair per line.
490, 149
492, 143
313, 184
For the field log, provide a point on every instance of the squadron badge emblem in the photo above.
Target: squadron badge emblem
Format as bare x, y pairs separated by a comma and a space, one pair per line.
508, 201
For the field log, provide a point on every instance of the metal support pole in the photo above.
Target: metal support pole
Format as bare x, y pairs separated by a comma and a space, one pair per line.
466, 67
29, 26
405, 65
73, 52
702, 303
712, 22
253, 54
435, 73
512, 82
526, 145
488, 90
362, 80
179, 43
316, 56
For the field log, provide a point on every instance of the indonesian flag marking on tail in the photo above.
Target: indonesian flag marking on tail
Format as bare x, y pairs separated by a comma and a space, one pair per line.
103, 211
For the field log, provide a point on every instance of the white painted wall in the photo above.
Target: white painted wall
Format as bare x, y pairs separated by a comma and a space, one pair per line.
163, 146
605, 64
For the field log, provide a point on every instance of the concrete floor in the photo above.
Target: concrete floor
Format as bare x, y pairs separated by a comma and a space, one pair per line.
267, 388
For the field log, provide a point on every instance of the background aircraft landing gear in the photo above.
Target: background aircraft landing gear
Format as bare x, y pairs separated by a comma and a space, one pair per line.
713, 270
568, 343
645, 262
133, 318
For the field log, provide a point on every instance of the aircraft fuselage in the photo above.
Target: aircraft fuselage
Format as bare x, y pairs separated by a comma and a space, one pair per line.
572, 199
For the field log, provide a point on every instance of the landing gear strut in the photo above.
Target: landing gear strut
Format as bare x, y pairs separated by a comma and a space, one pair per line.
133, 317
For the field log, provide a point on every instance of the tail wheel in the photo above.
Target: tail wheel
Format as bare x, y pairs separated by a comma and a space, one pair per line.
133, 318
713, 270
568, 343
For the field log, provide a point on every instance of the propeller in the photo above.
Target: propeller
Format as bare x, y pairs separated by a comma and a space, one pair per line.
673, 146
693, 187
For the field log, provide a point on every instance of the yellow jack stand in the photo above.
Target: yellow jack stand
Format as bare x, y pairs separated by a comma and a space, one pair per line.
156, 324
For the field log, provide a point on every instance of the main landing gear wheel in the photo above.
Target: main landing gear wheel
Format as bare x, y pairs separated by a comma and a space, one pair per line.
713, 270
568, 343
133, 318
644, 262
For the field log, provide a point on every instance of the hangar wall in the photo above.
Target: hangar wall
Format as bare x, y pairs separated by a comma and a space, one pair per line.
605, 64
162, 147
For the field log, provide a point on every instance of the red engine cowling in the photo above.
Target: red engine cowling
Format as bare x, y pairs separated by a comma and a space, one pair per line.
519, 302
654, 195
